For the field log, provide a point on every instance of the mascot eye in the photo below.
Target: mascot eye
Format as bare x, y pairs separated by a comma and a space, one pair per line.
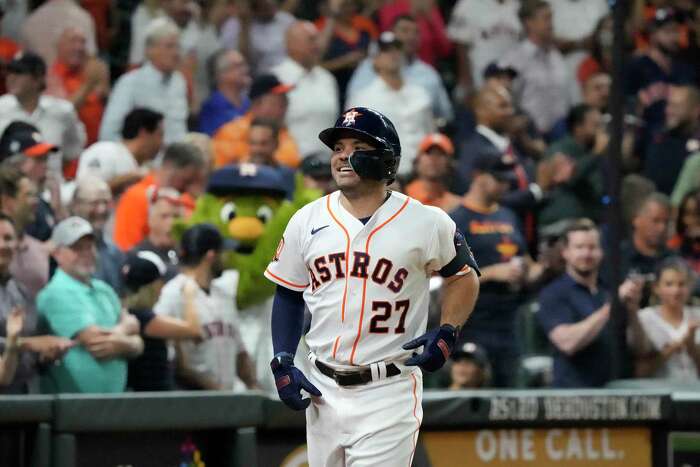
228, 212
264, 214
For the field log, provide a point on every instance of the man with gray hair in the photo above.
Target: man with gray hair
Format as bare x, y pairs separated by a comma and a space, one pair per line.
77, 306
92, 200
157, 85
230, 75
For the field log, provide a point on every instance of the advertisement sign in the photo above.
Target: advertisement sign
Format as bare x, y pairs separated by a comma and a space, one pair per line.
551, 447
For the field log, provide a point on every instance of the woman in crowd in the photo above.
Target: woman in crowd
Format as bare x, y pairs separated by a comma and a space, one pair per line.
143, 279
669, 347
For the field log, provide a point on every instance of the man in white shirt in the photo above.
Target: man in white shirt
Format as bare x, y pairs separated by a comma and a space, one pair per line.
542, 86
181, 14
406, 105
120, 163
214, 362
483, 30
56, 118
414, 70
258, 32
156, 85
313, 101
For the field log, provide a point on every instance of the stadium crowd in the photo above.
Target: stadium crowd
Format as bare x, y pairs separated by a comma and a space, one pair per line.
113, 115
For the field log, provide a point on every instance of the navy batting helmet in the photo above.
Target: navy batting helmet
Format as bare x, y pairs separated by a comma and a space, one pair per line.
374, 129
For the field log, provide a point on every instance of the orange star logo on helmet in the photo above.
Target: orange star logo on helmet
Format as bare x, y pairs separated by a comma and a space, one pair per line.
350, 116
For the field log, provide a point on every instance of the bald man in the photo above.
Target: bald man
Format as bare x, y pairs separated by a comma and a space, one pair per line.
79, 78
314, 100
493, 108
92, 200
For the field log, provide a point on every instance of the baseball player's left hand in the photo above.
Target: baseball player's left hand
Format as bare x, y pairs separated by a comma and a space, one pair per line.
437, 347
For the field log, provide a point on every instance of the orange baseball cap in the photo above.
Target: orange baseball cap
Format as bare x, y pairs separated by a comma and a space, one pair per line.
439, 140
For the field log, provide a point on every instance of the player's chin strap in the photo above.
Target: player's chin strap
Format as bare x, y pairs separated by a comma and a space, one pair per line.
378, 369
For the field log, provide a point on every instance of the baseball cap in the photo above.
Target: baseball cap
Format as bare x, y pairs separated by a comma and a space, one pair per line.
70, 230
439, 140
268, 84
500, 166
246, 178
387, 40
316, 166
471, 351
142, 269
25, 138
498, 69
27, 63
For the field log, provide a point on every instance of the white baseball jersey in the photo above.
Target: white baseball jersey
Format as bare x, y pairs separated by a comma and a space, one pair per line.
214, 357
366, 285
489, 27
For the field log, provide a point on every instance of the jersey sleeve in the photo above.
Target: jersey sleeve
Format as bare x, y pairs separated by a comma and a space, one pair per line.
170, 303
287, 267
441, 247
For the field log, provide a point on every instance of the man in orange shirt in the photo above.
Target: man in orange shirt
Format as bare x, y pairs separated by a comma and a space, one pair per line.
432, 166
183, 167
81, 79
268, 97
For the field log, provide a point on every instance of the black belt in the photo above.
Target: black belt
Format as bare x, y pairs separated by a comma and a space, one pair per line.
353, 378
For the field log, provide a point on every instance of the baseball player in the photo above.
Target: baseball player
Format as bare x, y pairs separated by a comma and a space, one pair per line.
360, 258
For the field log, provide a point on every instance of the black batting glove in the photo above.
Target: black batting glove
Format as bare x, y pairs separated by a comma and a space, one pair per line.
437, 346
290, 381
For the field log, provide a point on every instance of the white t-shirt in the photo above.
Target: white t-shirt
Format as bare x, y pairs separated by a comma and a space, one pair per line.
409, 109
214, 357
661, 333
106, 159
489, 27
313, 103
267, 40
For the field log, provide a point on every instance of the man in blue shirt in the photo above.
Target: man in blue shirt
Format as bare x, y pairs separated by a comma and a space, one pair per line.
228, 101
575, 311
87, 310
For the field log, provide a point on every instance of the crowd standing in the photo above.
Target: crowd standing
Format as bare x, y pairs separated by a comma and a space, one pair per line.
113, 115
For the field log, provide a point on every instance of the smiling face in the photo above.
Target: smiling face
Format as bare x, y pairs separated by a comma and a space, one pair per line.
345, 177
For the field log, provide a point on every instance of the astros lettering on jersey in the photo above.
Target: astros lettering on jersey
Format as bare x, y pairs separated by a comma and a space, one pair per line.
366, 285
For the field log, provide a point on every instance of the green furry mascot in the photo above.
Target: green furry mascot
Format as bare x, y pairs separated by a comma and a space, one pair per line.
247, 204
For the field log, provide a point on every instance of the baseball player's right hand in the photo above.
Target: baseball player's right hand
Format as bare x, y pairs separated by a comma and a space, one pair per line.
437, 346
290, 381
